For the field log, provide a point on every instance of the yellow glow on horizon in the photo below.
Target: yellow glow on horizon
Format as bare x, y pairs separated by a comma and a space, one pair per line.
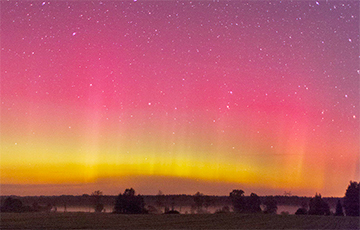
37, 172
88, 162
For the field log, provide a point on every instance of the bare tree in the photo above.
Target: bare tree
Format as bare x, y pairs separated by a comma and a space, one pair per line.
98, 206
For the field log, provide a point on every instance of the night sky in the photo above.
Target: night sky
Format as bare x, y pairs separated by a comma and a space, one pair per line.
179, 96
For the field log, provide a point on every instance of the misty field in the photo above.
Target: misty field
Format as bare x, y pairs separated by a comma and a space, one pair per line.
201, 221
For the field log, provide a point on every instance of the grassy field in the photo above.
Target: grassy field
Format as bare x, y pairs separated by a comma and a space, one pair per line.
205, 221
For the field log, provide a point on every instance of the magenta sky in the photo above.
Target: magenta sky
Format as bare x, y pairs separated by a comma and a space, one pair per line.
179, 96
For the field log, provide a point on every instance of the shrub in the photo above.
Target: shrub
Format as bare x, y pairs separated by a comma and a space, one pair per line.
12, 205
301, 211
270, 205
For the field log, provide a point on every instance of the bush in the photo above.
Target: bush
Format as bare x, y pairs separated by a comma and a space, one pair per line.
224, 209
284, 213
99, 207
12, 205
270, 205
172, 212
301, 211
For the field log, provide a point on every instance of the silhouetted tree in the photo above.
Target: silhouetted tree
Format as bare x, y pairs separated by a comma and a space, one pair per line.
351, 200
208, 201
253, 203
238, 201
301, 211
159, 200
12, 205
339, 209
172, 203
270, 205
98, 206
129, 192
128, 203
199, 201
317, 206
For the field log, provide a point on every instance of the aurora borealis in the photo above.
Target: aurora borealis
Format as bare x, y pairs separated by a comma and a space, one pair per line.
156, 94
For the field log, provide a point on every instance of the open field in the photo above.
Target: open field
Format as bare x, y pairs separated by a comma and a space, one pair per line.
205, 221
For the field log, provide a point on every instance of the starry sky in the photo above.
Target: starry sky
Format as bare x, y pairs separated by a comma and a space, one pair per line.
179, 96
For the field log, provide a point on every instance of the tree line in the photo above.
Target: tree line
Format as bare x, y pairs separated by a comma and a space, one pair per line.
130, 203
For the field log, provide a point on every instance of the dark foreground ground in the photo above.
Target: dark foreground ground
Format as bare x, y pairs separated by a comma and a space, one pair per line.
201, 221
